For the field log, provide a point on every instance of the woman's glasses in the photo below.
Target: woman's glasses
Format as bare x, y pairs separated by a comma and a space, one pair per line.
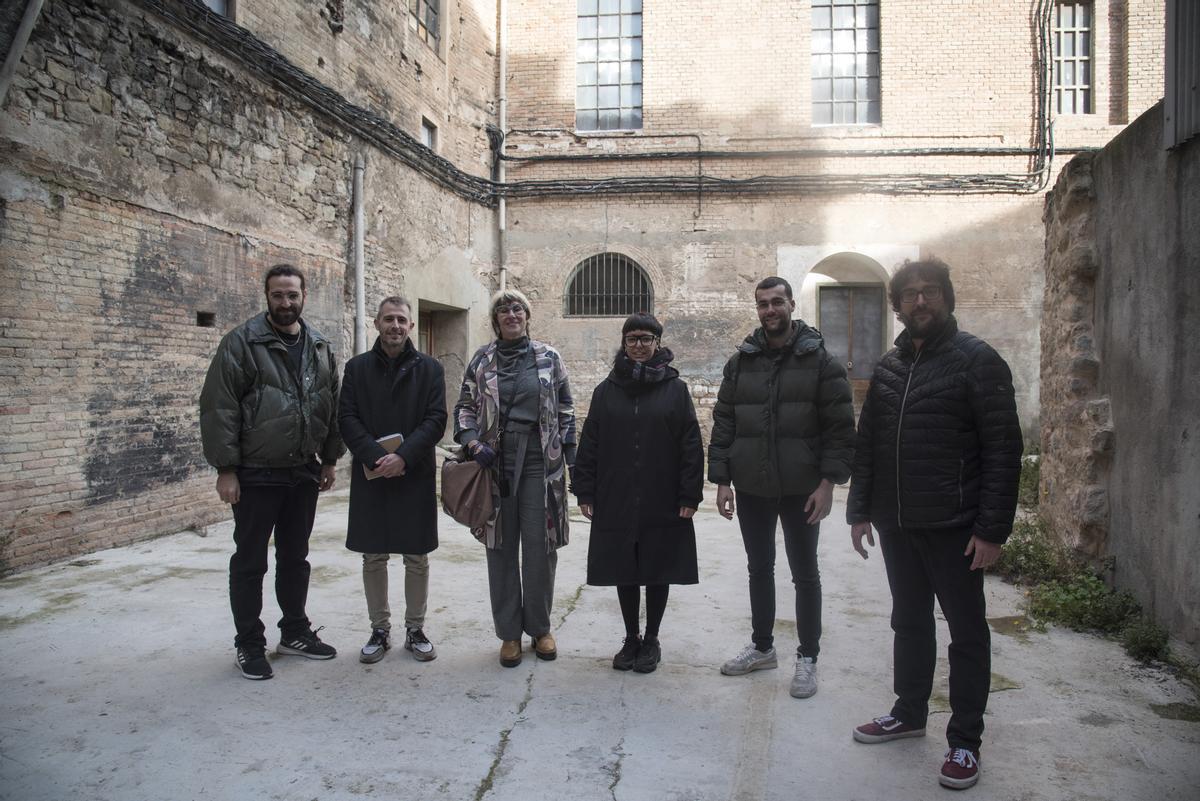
515, 309
645, 340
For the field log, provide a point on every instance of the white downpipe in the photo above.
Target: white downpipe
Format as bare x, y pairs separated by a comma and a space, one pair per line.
502, 210
360, 278
13, 60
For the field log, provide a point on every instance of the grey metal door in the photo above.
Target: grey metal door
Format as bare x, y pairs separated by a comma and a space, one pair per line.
851, 320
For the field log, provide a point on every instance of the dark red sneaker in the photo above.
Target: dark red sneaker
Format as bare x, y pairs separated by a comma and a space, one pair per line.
884, 729
960, 770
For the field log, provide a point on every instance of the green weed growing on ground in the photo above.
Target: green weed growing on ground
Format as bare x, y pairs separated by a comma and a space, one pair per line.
1065, 590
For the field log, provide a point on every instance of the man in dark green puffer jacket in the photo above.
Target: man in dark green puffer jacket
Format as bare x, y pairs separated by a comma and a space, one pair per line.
783, 434
268, 411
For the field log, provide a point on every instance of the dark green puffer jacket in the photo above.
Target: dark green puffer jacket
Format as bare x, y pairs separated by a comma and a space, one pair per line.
783, 419
253, 413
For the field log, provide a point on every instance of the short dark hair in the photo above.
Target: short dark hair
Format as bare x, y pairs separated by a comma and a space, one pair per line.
395, 300
282, 269
931, 269
642, 321
773, 281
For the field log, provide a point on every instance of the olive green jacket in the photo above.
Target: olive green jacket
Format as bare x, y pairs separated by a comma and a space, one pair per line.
783, 419
254, 412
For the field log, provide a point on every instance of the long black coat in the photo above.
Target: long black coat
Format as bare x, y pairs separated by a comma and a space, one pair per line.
381, 396
640, 459
939, 443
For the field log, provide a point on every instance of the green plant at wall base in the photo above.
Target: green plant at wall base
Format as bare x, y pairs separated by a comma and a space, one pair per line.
1029, 487
1145, 640
1033, 556
1083, 603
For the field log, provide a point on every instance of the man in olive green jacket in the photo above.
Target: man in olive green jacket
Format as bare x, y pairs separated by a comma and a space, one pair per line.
268, 411
783, 435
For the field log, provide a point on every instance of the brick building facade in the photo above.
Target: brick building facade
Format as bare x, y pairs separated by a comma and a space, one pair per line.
157, 158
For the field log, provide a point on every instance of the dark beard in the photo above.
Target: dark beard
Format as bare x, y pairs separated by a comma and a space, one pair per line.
279, 318
927, 330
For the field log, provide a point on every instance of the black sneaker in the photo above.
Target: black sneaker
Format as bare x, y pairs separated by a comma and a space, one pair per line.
253, 663
625, 658
422, 649
648, 657
307, 644
376, 647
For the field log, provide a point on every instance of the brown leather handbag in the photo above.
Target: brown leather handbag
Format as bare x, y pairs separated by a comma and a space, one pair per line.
467, 492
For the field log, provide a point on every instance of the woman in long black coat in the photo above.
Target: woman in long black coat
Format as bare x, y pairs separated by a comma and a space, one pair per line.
639, 478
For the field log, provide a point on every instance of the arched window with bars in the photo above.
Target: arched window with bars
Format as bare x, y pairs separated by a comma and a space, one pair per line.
608, 285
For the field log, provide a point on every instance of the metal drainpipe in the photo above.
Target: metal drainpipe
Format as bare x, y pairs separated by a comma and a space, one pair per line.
360, 279
18, 46
502, 209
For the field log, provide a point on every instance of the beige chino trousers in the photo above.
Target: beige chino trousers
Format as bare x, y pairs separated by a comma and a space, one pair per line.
416, 589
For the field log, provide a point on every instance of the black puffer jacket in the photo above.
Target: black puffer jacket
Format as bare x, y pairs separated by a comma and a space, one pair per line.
939, 443
783, 418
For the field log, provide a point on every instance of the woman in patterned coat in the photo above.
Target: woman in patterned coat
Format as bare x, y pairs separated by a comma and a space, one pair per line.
515, 414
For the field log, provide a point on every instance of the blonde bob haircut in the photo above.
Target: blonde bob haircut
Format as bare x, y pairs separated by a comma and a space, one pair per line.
507, 297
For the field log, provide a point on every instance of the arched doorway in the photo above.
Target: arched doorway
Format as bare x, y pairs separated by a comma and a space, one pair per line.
852, 313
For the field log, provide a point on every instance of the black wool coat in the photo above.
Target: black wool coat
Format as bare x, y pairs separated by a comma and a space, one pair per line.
640, 459
382, 396
939, 442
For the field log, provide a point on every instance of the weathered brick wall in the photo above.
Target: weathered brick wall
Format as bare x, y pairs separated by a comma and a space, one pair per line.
147, 180
735, 77
378, 61
1121, 460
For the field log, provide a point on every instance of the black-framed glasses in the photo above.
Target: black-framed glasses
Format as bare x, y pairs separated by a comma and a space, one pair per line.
645, 340
929, 293
515, 309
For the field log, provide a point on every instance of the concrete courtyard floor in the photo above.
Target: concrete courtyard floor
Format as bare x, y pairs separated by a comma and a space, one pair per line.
117, 682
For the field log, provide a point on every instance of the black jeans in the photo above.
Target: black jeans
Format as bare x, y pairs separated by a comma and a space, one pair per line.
758, 517
921, 565
289, 510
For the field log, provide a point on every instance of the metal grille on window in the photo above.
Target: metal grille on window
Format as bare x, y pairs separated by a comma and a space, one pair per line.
608, 65
424, 19
1073, 58
608, 285
845, 62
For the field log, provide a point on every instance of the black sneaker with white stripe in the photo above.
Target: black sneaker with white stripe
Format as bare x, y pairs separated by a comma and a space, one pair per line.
307, 644
253, 663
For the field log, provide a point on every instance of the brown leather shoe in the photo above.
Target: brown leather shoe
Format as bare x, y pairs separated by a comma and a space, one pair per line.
510, 653
545, 647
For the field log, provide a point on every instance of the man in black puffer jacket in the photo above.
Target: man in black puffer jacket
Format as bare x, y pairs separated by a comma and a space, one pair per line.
936, 472
783, 429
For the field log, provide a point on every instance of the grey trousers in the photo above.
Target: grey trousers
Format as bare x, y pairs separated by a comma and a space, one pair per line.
416, 589
521, 570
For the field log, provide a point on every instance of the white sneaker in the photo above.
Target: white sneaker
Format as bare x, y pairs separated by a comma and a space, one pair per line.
804, 682
750, 659
422, 649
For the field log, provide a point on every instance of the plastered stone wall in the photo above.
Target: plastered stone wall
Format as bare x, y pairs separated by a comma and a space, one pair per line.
1121, 461
147, 180
704, 270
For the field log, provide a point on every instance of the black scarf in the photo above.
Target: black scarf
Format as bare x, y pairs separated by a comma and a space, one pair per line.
636, 378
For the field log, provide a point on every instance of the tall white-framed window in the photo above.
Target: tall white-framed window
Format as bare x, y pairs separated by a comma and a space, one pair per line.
845, 62
608, 65
423, 17
1072, 45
